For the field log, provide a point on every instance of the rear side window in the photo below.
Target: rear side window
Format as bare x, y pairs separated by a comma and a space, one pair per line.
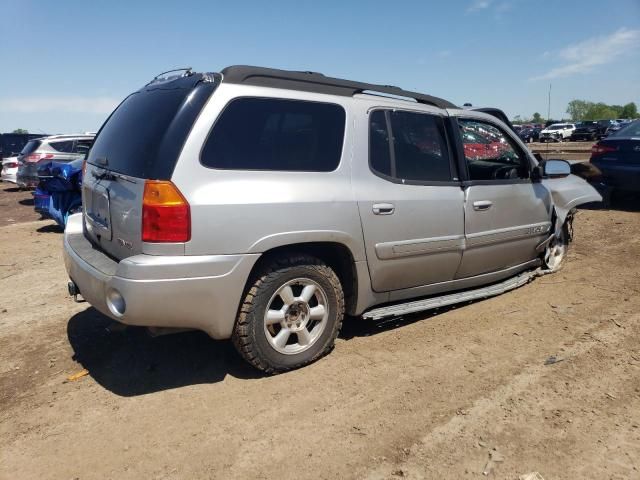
276, 134
409, 146
65, 146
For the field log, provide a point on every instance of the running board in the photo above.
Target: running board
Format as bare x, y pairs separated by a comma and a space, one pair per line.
453, 298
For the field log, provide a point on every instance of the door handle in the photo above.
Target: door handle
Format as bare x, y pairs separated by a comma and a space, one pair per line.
482, 205
383, 208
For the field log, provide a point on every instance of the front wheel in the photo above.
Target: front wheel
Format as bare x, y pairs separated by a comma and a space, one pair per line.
556, 251
291, 315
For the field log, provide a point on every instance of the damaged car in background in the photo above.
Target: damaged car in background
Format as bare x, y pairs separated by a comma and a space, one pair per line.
263, 205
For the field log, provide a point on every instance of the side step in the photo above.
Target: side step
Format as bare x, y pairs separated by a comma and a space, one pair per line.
453, 298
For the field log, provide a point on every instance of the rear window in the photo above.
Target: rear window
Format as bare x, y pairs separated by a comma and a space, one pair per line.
276, 134
30, 147
144, 136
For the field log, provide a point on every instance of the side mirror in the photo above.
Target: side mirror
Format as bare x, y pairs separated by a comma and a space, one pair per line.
556, 168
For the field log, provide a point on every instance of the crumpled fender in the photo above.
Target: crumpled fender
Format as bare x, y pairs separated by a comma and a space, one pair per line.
569, 192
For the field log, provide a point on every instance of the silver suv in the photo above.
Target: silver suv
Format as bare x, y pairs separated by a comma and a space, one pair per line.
262, 205
58, 148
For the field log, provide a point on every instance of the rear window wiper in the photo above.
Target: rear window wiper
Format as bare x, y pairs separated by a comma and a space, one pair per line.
104, 176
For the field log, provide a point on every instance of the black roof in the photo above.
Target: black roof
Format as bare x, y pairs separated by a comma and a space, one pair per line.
318, 83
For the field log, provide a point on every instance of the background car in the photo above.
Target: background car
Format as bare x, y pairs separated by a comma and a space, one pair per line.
529, 135
618, 159
11, 144
586, 130
59, 148
614, 128
603, 126
10, 169
557, 132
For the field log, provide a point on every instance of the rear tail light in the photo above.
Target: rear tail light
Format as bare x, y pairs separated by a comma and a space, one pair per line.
11, 165
599, 149
166, 215
36, 157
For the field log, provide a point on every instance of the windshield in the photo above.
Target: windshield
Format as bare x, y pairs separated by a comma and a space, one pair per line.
555, 127
631, 130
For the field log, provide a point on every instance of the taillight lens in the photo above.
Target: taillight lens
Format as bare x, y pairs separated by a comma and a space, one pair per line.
166, 215
11, 165
36, 157
599, 149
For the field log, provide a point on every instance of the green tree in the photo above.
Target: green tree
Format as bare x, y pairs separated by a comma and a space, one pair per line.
630, 110
20, 130
600, 111
537, 118
577, 109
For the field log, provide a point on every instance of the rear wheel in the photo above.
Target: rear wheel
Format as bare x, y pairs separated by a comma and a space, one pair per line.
291, 315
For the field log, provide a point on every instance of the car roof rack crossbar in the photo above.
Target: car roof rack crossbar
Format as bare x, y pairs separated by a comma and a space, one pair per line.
319, 83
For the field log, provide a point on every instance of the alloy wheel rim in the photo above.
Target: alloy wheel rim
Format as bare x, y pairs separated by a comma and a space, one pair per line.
296, 316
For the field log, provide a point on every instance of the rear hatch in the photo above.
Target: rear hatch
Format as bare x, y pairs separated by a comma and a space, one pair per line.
141, 140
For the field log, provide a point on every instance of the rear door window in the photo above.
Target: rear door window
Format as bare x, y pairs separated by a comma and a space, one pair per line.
276, 134
409, 146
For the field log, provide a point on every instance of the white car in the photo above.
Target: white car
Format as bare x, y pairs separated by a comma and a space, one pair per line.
10, 169
557, 132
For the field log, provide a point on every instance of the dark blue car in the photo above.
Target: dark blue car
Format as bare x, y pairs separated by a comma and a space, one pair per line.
618, 158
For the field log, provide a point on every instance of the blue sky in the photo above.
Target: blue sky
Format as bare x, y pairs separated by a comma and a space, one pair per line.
66, 64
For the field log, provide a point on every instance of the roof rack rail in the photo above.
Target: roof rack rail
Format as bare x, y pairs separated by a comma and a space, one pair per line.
159, 78
318, 83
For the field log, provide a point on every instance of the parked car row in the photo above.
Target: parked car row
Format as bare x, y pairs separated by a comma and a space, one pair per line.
55, 148
558, 132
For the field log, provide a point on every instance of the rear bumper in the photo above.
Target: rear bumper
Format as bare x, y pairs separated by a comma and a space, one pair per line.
201, 292
9, 176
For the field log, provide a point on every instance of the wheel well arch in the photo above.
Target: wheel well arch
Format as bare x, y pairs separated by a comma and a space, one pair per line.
336, 255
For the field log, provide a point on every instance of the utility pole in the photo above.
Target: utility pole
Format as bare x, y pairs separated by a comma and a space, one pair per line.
549, 105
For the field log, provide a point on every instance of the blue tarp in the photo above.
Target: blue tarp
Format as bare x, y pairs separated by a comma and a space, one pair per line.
59, 191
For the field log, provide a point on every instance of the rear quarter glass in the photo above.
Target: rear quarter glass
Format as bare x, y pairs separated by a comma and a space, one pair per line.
144, 136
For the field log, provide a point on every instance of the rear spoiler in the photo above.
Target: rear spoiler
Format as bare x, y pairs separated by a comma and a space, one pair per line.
496, 112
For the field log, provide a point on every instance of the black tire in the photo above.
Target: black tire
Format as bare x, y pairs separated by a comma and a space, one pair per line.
249, 336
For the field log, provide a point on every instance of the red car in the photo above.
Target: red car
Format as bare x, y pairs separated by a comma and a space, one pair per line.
478, 147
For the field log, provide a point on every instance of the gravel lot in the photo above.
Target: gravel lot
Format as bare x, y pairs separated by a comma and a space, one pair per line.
428, 396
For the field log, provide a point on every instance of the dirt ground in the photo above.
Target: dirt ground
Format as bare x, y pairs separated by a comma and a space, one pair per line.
12, 205
428, 396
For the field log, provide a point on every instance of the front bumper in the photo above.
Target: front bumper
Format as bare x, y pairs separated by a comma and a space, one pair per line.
583, 136
200, 292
